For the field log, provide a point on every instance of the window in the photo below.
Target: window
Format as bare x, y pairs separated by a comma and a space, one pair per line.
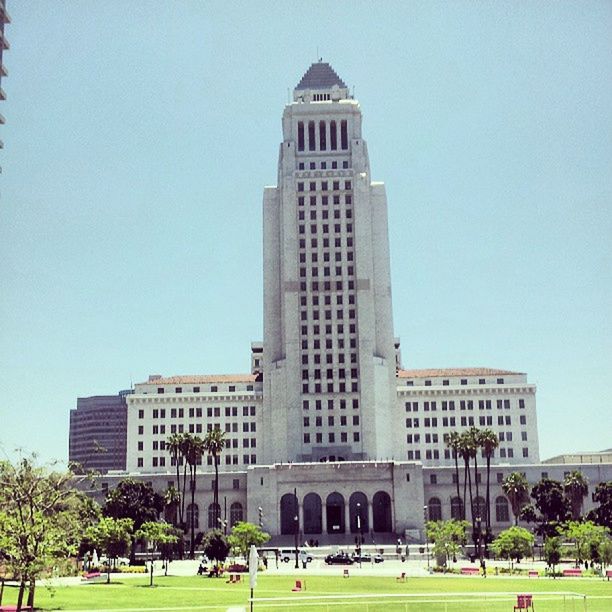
344, 134
502, 514
301, 137
311, 137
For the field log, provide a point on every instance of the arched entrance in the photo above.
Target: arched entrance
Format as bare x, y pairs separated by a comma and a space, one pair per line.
335, 513
312, 514
288, 512
381, 510
358, 506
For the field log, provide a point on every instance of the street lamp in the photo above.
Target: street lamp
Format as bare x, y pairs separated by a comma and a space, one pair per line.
359, 536
426, 538
296, 526
478, 534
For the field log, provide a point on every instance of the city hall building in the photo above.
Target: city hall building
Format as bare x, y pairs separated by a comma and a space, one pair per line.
328, 430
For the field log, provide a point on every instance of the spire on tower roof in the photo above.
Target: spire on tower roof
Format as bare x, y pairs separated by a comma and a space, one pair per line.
320, 76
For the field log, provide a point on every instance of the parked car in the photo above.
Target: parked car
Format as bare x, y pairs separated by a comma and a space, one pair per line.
368, 558
287, 554
340, 558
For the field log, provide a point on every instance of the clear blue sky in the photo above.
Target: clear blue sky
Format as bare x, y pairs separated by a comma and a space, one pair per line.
139, 137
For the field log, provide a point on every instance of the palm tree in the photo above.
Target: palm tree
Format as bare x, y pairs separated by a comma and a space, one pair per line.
466, 450
576, 488
516, 488
174, 445
172, 499
193, 449
214, 443
474, 434
453, 442
489, 442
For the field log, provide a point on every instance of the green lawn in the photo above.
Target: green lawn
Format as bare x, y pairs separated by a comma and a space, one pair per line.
173, 594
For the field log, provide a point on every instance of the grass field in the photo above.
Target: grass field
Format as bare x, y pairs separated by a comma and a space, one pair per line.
273, 593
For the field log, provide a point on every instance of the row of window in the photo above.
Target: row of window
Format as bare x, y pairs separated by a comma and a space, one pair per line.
463, 405
331, 421
331, 437
317, 139
316, 343
435, 453
193, 513
463, 421
330, 387
329, 374
313, 271
327, 299
434, 509
329, 358
324, 186
197, 412
247, 459
323, 200
446, 382
213, 389
325, 228
342, 403
314, 242
322, 165
348, 214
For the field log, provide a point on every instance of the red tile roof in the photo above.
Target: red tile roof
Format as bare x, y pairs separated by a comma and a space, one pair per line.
448, 372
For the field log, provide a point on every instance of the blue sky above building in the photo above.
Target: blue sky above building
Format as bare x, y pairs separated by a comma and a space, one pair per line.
139, 139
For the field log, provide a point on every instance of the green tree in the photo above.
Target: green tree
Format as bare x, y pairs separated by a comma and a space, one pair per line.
244, 535
576, 488
113, 537
602, 514
586, 538
216, 546
605, 553
552, 504
42, 519
172, 501
513, 543
489, 442
552, 552
447, 538
516, 489
154, 535
214, 443
134, 500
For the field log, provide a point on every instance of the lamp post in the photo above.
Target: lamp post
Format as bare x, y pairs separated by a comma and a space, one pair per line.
296, 527
478, 537
359, 536
426, 538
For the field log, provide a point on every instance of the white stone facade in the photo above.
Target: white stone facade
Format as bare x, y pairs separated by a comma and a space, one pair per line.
327, 384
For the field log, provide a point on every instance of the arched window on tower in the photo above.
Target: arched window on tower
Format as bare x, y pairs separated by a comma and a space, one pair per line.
312, 143
322, 136
333, 136
344, 134
236, 513
300, 135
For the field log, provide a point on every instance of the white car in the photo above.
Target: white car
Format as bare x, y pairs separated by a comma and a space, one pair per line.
117, 561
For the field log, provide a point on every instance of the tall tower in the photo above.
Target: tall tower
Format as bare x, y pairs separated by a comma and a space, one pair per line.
329, 356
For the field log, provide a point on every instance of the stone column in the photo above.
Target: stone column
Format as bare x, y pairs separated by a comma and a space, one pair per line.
347, 517
323, 518
370, 516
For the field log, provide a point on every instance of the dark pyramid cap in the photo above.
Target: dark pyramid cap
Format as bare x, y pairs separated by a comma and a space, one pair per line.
320, 76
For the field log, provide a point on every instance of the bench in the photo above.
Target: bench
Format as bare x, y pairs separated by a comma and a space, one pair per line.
533, 574
470, 571
524, 602
574, 572
608, 574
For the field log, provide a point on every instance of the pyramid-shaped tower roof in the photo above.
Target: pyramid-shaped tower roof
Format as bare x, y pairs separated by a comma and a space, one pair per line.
320, 76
